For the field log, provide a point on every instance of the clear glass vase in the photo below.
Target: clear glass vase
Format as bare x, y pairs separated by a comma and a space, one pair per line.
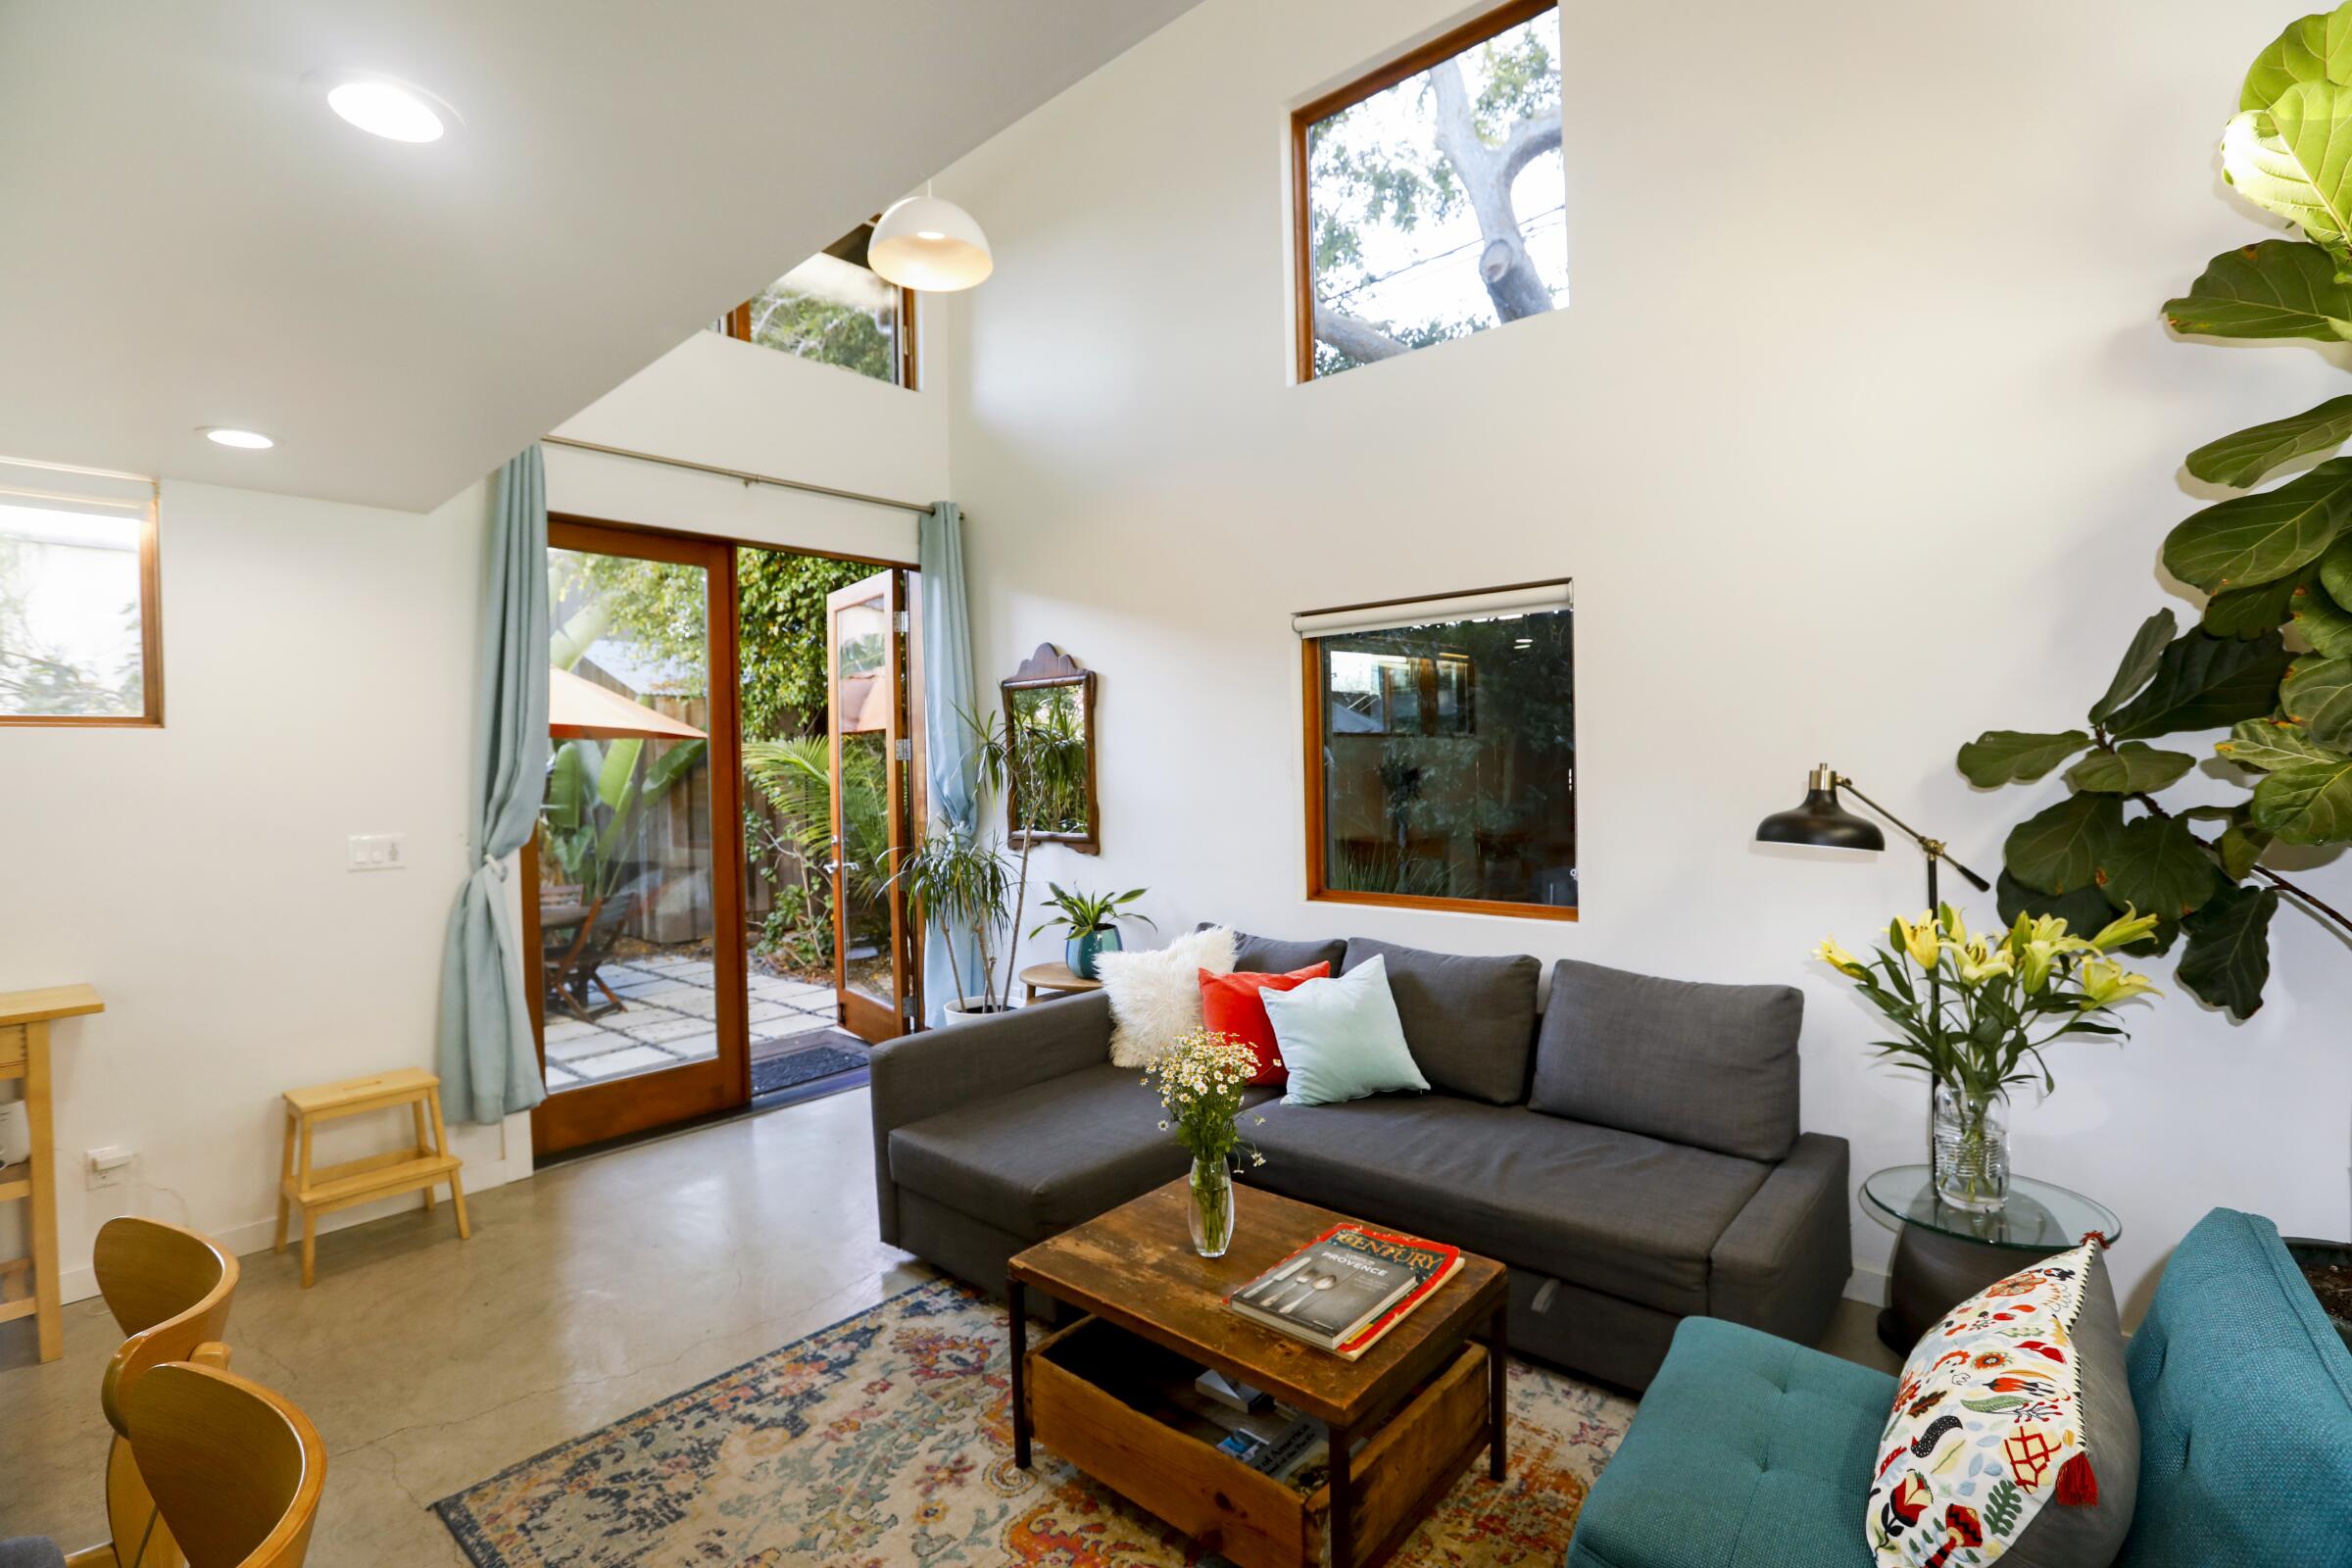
1212, 1214
1970, 1145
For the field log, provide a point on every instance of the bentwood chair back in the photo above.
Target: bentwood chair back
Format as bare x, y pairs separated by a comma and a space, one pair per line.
236, 1470
170, 1291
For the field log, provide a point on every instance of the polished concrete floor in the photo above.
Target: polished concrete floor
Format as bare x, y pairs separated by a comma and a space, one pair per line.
588, 1292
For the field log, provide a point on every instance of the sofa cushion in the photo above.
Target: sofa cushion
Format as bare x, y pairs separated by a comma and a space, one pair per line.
1748, 1452
1609, 1210
1235, 1005
1273, 955
2245, 1409
1046, 1158
1339, 1038
1707, 1064
1470, 1022
1156, 992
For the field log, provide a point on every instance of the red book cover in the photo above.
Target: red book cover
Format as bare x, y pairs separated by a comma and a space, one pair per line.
1434, 1262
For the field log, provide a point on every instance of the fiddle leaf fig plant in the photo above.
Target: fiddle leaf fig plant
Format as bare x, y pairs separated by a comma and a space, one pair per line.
2270, 659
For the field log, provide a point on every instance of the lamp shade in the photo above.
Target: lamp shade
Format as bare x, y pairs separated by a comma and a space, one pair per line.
926, 243
1820, 821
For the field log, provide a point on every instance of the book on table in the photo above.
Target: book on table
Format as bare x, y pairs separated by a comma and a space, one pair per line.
1346, 1287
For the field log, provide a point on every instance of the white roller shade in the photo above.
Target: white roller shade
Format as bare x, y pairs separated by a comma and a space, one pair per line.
1487, 604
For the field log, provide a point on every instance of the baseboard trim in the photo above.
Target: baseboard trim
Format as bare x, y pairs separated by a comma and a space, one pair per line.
1867, 1285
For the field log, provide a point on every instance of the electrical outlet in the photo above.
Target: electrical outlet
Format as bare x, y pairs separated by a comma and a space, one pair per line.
378, 852
110, 1166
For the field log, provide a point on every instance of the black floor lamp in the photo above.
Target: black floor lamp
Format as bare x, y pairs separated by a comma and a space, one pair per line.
1820, 821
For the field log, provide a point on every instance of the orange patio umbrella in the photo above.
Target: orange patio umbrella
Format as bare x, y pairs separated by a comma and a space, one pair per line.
577, 707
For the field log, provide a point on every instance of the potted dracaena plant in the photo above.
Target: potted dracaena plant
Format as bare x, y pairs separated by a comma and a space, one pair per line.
1089, 924
1969, 1009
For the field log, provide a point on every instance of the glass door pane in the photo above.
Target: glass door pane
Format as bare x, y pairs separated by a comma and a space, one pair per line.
872, 967
638, 843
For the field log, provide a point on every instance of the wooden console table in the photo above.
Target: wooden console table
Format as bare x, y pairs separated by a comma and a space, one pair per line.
28, 1284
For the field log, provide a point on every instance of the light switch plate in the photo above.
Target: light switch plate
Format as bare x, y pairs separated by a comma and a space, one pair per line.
110, 1166
378, 852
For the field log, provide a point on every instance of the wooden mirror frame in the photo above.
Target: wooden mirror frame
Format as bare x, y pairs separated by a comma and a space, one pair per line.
1046, 667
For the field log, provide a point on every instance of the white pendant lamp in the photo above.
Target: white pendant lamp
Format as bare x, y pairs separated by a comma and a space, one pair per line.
929, 244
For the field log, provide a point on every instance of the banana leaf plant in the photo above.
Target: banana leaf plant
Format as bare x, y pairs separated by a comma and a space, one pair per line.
596, 796
2270, 659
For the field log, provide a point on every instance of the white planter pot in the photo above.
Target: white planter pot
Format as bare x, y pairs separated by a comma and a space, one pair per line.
955, 1013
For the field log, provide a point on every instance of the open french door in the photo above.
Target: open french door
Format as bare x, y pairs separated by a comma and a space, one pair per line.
877, 771
633, 908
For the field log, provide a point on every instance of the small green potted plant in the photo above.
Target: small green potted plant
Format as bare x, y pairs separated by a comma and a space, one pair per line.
1091, 923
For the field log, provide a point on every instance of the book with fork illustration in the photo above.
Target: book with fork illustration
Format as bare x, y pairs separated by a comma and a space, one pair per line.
1346, 1287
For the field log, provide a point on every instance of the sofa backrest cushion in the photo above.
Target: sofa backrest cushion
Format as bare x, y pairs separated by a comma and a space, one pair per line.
1271, 956
2245, 1409
1710, 1065
1470, 1023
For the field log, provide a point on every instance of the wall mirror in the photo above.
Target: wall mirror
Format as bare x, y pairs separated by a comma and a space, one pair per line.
1050, 723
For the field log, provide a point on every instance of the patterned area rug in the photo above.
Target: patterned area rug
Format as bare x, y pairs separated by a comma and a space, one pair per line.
885, 1440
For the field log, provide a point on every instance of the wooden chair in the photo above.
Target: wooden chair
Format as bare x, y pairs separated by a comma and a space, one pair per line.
236, 1471
170, 1291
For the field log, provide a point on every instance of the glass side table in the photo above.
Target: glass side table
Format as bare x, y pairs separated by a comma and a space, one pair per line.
1943, 1255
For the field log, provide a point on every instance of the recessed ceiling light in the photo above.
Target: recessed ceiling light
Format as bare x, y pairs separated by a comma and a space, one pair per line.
388, 108
229, 436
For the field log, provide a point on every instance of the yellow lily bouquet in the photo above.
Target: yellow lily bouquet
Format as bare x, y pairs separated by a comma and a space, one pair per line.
1969, 1008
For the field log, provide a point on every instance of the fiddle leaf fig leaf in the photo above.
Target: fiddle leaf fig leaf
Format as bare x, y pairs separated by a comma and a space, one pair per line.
2313, 48
2059, 849
2251, 611
2139, 666
2269, 744
2308, 803
2240, 844
2085, 911
2132, 768
2317, 694
2324, 624
2261, 537
2204, 682
2228, 959
2157, 867
2278, 288
2335, 571
2289, 158
2012, 756
2242, 458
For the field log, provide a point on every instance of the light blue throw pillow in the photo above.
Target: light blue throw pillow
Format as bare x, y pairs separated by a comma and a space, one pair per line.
1341, 1038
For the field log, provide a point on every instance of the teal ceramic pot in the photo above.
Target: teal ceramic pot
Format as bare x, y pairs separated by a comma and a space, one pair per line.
1079, 952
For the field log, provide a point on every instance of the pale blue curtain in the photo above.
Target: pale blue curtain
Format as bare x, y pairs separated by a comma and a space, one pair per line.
489, 1067
946, 695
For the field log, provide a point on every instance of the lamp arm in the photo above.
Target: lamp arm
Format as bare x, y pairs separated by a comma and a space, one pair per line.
1933, 848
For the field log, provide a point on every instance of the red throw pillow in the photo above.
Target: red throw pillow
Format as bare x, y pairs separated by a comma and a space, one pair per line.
1233, 1005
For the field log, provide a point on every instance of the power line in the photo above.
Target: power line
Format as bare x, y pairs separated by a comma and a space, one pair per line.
1438, 256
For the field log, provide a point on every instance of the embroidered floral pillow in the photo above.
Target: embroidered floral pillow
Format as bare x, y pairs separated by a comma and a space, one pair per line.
2013, 1438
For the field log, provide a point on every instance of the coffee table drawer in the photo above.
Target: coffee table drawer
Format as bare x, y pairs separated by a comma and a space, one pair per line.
1090, 1392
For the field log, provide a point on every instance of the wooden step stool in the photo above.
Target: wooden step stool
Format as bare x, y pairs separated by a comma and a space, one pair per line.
319, 1191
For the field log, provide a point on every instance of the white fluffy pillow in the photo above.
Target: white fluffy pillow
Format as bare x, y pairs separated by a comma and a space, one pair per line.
1155, 995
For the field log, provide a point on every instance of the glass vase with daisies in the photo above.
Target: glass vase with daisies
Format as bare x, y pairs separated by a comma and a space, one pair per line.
1200, 1078
1975, 1010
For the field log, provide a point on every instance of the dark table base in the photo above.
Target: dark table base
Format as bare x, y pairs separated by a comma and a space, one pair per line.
1932, 1273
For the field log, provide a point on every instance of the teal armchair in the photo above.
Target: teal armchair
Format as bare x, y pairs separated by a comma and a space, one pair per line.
1749, 1451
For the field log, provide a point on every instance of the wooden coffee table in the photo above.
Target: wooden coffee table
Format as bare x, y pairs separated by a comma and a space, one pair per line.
1424, 1399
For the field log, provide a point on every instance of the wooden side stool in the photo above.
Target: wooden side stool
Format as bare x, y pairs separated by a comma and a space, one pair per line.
318, 1191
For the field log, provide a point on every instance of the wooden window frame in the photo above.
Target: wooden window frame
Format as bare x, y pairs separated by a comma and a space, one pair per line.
151, 619
1477, 30
1318, 887
739, 326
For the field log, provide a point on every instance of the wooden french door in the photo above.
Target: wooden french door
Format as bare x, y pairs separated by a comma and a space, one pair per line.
877, 768
633, 929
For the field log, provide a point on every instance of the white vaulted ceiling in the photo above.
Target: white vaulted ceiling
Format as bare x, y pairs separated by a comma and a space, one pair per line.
188, 237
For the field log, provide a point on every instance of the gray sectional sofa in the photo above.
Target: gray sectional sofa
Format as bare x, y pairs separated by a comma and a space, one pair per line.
1632, 1152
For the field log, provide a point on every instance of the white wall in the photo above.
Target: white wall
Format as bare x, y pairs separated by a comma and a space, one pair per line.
318, 681
319, 663
754, 410
1859, 438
